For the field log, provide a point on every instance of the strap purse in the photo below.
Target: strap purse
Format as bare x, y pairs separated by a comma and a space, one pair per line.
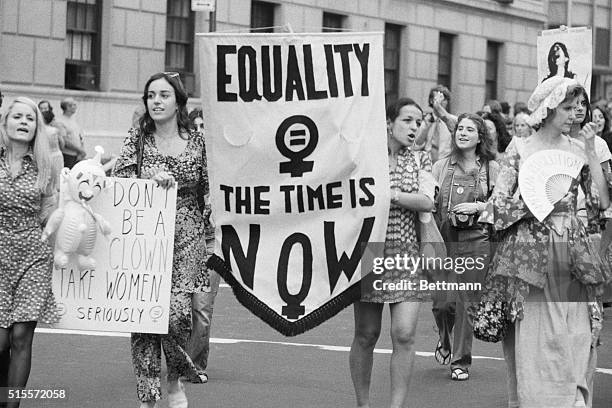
139, 155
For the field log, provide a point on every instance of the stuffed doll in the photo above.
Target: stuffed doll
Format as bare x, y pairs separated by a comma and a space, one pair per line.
74, 220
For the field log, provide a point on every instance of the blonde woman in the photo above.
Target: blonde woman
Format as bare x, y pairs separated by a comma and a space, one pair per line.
520, 125
27, 187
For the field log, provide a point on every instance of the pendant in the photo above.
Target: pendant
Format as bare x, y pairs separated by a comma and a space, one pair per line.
460, 190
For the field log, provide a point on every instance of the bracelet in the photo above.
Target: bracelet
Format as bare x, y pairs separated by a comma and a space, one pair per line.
395, 197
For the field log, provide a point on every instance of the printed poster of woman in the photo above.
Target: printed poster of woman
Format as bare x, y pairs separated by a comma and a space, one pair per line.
566, 52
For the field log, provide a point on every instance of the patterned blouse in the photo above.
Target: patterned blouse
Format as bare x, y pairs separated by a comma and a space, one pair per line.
523, 253
189, 273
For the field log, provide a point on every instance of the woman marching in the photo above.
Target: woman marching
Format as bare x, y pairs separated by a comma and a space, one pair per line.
466, 178
165, 149
549, 269
403, 120
27, 191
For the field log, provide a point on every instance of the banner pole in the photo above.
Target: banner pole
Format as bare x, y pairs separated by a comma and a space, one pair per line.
212, 21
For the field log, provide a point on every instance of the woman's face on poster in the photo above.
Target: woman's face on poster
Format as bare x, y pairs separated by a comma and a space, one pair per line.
560, 55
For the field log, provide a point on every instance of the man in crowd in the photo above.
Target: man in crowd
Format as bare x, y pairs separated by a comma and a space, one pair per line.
49, 117
435, 134
74, 148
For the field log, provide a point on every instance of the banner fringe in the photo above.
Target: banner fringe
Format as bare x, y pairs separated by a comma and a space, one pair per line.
269, 316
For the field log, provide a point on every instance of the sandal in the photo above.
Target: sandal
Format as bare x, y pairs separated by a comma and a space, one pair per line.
459, 374
200, 378
441, 355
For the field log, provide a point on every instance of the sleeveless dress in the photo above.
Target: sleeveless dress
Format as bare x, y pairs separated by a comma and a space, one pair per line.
401, 237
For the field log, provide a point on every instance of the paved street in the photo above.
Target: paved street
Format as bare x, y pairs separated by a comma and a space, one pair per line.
253, 366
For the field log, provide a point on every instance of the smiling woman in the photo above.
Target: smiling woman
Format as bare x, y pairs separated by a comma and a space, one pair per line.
466, 179
165, 149
27, 192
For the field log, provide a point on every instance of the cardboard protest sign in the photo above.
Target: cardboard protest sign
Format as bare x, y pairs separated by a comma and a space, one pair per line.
129, 289
566, 52
298, 168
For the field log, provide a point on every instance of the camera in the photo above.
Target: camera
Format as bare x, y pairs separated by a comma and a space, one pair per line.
462, 221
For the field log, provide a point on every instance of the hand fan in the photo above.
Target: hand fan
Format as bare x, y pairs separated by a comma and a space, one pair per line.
545, 177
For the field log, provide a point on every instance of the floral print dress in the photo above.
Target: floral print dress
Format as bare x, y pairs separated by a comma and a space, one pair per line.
189, 273
401, 237
548, 270
25, 261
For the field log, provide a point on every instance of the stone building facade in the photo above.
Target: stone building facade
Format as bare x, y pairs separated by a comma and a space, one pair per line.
101, 52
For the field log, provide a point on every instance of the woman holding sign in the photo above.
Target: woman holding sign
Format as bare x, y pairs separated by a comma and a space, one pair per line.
27, 193
403, 120
545, 263
165, 149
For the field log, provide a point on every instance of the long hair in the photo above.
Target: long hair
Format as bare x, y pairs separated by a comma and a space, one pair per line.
146, 123
588, 114
606, 135
552, 61
45, 180
503, 137
484, 149
194, 114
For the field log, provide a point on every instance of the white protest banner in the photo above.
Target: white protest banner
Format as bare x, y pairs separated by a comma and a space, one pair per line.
566, 52
129, 289
297, 158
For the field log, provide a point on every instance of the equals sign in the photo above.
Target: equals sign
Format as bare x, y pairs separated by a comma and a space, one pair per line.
297, 137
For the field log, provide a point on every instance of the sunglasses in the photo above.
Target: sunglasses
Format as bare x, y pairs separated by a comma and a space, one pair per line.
177, 76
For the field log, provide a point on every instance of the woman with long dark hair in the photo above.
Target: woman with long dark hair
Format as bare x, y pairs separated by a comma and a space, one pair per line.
602, 119
497, 130
466, 179
558, 61
165, 149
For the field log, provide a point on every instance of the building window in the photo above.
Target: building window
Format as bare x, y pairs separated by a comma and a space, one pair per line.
393, 34
492, 70
445, 58
179, 41
262, 17
602, 46
82, 44
332, 22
